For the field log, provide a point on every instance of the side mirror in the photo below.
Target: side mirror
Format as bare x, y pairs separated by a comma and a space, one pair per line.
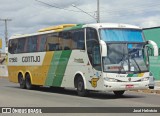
149, 50
155, 47
104, 48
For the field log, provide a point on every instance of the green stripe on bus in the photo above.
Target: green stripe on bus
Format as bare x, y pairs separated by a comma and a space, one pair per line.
61, 68
53, 67
130, 75
78, 26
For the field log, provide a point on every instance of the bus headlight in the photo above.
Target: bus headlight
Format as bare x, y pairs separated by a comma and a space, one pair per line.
110, 79
145, 79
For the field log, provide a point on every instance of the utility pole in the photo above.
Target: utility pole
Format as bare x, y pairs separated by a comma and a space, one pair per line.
98, 12
6, 30
84, 11
97, 18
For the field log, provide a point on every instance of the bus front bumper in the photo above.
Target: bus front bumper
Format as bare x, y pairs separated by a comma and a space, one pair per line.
116, 86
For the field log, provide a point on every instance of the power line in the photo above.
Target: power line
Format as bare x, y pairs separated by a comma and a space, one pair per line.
75, 2
85, 12
56, 6
111, 12
60, 4
50, 5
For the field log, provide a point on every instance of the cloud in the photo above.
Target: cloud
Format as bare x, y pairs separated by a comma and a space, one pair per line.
28, 16
151, 21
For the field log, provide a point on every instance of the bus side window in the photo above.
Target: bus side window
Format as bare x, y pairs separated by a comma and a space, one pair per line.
32, 44
52, 42
66, 40
96, 57
21, 45
12, 46
93, 48
78, 39
41, 43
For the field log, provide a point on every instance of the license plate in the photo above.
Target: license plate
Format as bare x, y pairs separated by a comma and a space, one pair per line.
129, 86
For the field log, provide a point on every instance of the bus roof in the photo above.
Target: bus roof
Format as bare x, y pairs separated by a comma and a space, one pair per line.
64, 27
111, 25
58, 27
28, 35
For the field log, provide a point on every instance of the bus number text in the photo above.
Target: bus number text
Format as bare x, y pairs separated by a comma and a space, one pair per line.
13, 59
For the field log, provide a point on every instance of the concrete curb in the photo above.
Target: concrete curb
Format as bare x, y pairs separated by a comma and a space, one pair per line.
148, 91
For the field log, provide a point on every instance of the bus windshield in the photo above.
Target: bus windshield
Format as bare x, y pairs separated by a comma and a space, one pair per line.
129, 35
125, 57
125, 50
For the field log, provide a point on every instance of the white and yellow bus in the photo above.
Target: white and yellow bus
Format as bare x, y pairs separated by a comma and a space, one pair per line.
100, 57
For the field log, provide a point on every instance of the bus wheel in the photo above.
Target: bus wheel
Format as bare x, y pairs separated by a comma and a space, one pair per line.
151, 87
21, 81
118, 93
28, 82
80, 88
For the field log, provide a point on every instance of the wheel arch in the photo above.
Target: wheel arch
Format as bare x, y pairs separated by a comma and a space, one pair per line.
30, 75
77, 75
20, 73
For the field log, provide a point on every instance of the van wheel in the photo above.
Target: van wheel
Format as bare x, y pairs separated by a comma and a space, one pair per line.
28, 82
21, 81
118, 93
80, 88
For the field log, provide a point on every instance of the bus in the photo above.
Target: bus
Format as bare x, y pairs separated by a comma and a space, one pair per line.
87, 57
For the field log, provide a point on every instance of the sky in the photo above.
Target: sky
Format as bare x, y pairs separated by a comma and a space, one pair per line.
28, 16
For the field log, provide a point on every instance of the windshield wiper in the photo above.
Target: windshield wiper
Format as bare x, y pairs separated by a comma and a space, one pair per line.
137, 65
122, 61
130, 56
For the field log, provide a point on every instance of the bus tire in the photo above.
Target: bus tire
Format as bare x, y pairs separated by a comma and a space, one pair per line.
118, 93
80, 88
28, 82
151, 87
21, 81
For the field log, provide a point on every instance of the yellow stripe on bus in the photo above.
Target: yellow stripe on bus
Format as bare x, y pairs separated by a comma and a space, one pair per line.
140, 74
56, 27
46, 64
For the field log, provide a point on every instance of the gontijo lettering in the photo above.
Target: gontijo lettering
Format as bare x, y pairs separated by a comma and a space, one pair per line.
31, 59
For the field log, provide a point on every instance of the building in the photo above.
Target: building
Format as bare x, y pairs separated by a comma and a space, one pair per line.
154, 34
